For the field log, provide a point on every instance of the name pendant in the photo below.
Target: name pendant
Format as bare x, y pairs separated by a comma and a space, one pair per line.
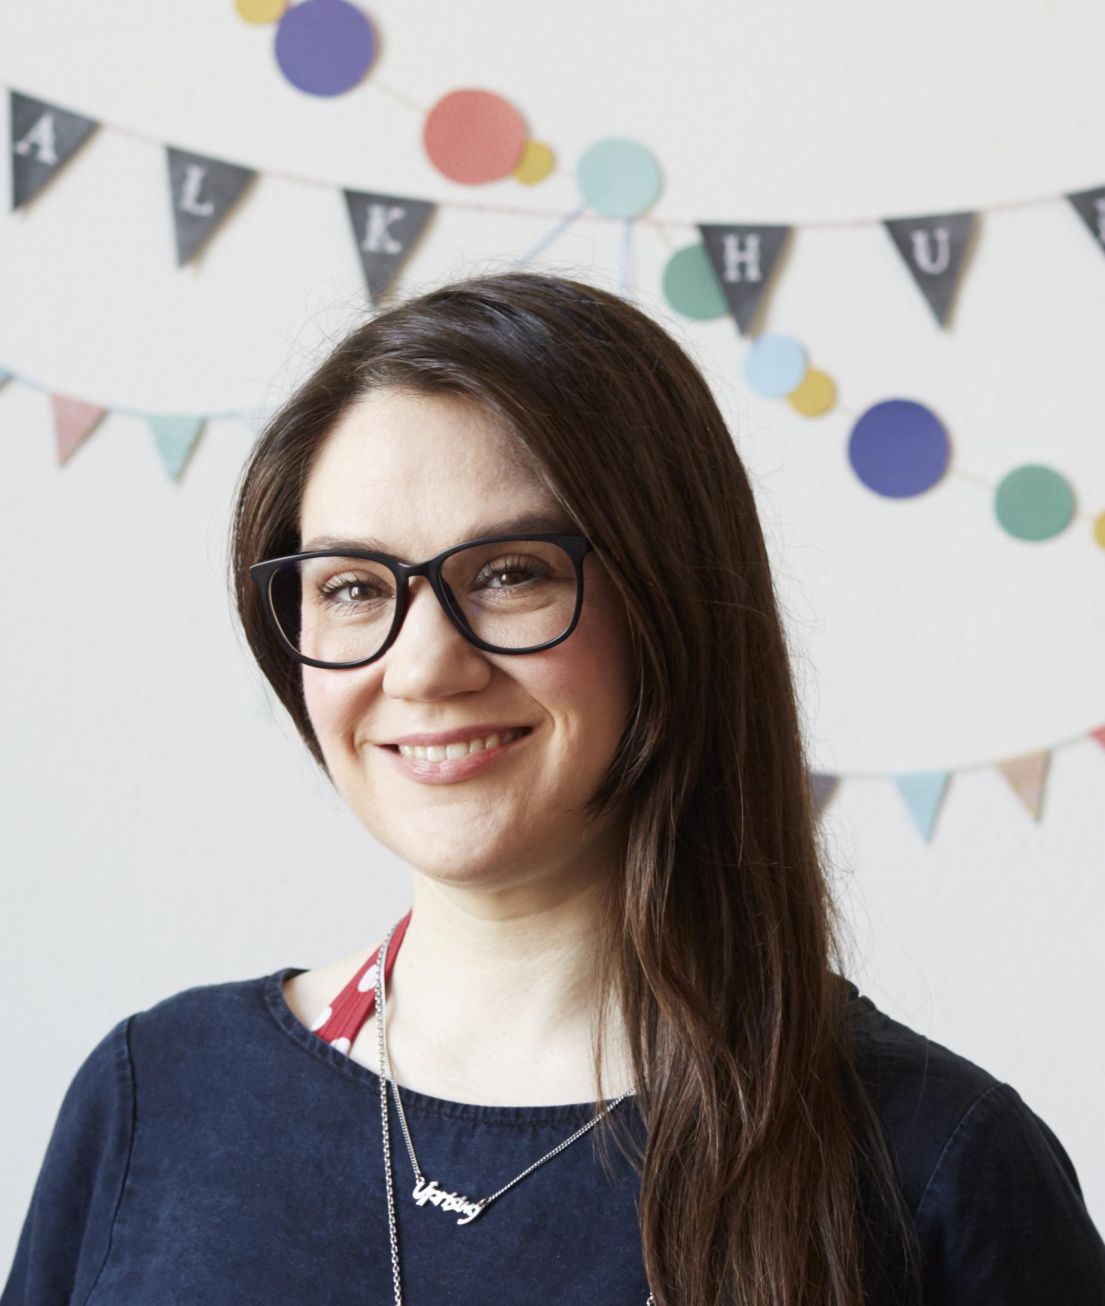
426, 1190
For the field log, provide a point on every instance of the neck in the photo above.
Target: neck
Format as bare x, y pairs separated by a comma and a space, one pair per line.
493, 995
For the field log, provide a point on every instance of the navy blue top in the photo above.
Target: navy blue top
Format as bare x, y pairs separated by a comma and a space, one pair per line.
213, 1151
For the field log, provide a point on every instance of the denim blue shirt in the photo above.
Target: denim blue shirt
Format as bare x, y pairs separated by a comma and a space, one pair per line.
213, 1151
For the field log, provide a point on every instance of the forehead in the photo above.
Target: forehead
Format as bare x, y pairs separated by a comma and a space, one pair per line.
416, 472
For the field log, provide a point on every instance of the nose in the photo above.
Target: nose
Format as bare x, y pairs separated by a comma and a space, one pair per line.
430, 658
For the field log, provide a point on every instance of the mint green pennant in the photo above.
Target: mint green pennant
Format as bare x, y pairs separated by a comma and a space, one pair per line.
175, 437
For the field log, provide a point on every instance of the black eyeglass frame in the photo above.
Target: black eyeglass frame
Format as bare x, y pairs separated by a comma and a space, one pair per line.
262, 573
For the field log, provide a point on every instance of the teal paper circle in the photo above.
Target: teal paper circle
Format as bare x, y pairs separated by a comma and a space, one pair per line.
1034, 502
774, 365
690, 286
618, 177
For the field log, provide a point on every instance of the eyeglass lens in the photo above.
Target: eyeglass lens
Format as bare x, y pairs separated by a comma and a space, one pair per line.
513, 594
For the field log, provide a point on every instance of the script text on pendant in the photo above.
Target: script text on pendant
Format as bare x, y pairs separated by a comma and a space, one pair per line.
428, 1191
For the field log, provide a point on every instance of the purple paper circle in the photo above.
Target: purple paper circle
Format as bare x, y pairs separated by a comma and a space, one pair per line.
324, 47
899, 448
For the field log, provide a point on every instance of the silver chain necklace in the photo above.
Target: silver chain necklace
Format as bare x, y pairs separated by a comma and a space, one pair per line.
426, 1190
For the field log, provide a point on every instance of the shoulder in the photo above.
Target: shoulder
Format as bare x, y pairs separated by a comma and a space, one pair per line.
920, 1088
67, 1228
996, 1199
1003, 1218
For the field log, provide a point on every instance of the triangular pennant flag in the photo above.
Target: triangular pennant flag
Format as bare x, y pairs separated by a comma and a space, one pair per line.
202, 192
922, 791
175, 437
43, 137
743, 259
1099, 735
74, 422
822, 786
933, 248
1090, 207
1026, 776
385, 228
5, 375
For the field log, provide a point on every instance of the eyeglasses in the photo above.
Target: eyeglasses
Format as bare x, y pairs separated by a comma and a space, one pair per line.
504, 593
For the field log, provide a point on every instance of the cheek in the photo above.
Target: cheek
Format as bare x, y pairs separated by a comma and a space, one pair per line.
330, 698
591, 680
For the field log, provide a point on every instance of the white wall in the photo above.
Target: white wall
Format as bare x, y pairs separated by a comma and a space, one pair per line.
162, 826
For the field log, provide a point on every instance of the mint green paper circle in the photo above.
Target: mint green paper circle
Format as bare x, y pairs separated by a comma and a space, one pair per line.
690, 286
618, 177
1034, 502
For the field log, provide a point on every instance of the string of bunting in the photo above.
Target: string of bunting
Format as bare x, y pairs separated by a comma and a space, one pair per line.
897, 448
924, 792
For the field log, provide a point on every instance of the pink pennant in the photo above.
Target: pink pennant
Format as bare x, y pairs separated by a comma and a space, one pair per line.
1099, 735
74, 422
1026, 777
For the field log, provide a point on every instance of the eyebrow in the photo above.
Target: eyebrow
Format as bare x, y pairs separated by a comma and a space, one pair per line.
525, 524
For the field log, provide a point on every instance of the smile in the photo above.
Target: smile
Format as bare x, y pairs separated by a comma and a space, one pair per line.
448, 763
461, 748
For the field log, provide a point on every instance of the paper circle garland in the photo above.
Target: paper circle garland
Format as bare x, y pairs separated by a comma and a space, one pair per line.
1034, 502
814, 395
260, 11
774, 365
474, 136
536, 163
690, 286
899, 448
618, 177
325, 47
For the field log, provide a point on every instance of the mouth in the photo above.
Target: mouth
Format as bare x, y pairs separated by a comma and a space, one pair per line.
436, 768
461, 748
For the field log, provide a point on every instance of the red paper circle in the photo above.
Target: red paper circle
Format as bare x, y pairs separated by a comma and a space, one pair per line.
474, 136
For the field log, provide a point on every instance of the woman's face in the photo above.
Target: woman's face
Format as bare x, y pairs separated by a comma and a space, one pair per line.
420, 474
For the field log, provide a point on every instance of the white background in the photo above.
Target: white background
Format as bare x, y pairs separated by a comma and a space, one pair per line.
162, 825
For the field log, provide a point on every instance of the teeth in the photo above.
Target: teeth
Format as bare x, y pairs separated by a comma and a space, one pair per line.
443, 752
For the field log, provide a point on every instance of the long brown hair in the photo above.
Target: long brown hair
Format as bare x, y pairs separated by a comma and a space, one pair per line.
766, 1177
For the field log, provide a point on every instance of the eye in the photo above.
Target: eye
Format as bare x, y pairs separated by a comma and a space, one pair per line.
364, 589
526, 568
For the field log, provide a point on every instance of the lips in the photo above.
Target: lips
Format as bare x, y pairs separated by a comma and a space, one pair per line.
452, 770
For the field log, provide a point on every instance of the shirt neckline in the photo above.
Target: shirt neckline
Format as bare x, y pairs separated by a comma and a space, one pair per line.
423, 1104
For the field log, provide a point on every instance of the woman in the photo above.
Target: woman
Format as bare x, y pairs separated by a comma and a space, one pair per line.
510, 511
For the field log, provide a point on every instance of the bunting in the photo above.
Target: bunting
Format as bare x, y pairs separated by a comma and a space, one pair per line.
473, 137
925, 793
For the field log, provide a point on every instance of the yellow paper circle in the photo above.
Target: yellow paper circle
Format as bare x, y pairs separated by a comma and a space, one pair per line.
1099, 529
535, 164
260, 11
814, 394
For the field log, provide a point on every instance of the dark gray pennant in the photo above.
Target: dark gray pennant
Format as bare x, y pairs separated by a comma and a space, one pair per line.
385, 228
43, 138
202, 192
743, 260
1090, 207
934, 247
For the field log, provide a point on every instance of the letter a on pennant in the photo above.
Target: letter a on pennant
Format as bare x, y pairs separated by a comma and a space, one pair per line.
933, 248
385, 228
743, 259
43, 138
202, 192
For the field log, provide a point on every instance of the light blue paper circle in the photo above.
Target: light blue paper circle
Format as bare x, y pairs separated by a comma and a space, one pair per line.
618, 177
774, 365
